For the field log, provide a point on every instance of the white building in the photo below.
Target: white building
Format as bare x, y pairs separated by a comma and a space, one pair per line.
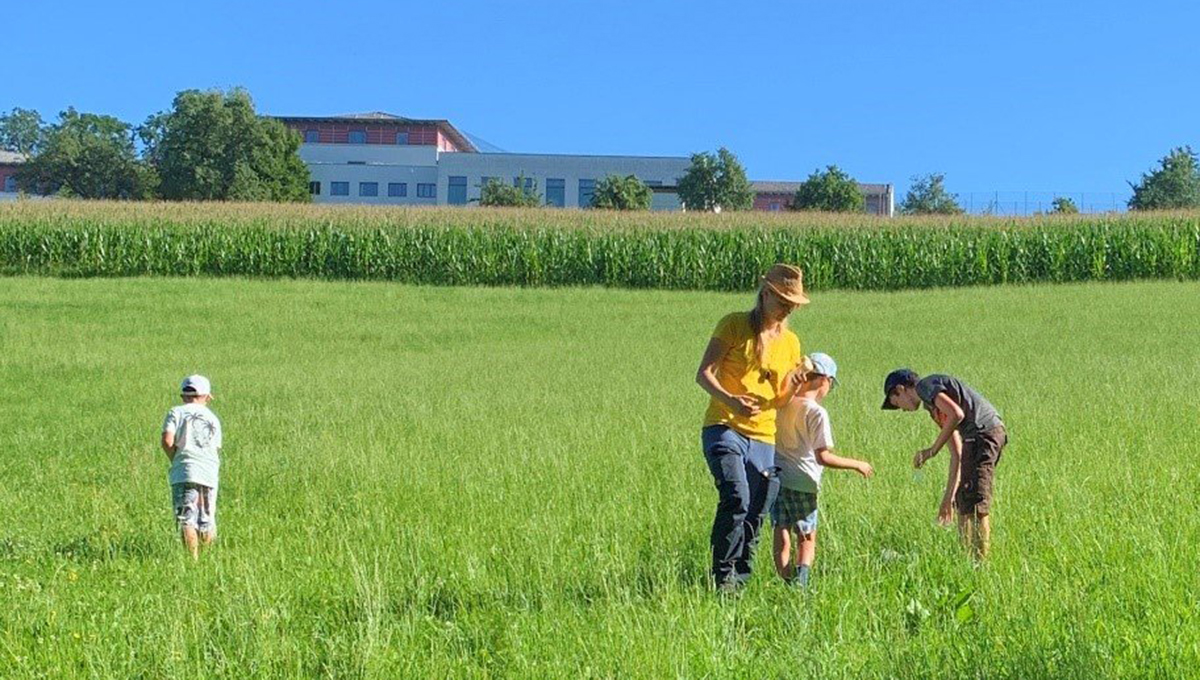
386, 159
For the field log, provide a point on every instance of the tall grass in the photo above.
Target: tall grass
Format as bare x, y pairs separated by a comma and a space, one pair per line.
564, 248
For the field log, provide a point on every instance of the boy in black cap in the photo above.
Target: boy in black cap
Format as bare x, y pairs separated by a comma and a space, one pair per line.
972, 427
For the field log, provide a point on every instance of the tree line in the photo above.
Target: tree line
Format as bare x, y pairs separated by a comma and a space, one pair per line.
209, 146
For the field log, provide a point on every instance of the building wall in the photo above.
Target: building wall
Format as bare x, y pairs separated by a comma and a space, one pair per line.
773, 201
382, 164
876, 204
376, 133
570, 169
7, 171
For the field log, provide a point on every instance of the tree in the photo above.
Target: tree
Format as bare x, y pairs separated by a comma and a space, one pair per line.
622, 193
212, 146
829, 191
928, 196
522, 195
22, 130
88, 156
1063, 205
715, 182
1174, 185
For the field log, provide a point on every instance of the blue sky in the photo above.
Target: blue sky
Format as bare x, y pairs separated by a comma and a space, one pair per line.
1001, 96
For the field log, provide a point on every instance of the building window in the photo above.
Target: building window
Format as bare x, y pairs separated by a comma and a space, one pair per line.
368, 188
356, 162
402, 138
653, 182
397, 189
314, 188
457, 193
339, 188
312, 136
529, 184
358, 137
775, 207
426, 190
556, 192
10, 184
587, 189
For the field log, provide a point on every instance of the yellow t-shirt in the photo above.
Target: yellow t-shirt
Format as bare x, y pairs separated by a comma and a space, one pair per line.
739, 373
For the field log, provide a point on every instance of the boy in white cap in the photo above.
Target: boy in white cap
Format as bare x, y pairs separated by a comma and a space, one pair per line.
803, 448
191, 438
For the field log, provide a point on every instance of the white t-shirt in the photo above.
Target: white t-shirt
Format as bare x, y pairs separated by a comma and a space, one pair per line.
802, 427
197, 443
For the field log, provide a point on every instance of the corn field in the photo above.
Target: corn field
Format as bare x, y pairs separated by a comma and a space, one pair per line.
448, 246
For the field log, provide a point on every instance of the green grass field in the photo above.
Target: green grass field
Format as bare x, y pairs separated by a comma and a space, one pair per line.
424, 482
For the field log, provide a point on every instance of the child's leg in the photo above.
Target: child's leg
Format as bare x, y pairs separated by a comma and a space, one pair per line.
206, 524
808, 548
184, 497
191, 541
983, 536
784, 564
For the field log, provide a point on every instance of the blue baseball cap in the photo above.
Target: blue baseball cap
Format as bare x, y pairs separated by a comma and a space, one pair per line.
900, 376
823, 364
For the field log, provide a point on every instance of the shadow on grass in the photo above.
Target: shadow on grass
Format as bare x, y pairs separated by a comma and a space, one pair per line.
103, 547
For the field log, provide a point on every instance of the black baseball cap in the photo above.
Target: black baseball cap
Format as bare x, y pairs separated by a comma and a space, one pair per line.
900, 376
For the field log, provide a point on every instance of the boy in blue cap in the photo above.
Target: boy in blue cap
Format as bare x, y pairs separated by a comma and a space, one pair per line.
976, 434
803, 448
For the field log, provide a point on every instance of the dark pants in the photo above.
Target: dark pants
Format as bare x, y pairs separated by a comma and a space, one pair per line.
747, 480
980, 455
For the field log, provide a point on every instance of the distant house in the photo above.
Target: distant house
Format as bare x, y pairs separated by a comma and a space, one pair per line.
776, 196
381, 158
10, 162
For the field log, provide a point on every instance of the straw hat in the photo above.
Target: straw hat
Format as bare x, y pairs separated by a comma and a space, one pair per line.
787, 282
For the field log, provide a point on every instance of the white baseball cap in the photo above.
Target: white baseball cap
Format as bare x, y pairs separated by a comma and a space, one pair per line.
196, 384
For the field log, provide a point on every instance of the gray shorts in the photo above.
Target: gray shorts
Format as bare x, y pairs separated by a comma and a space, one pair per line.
795, 510
195, 507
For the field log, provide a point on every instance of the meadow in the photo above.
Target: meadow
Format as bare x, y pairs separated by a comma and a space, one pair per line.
487, 482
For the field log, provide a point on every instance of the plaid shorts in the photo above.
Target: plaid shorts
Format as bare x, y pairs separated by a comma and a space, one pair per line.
795, 510
195, 507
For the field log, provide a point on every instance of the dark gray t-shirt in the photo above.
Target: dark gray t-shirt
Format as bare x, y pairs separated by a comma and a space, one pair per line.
978, 413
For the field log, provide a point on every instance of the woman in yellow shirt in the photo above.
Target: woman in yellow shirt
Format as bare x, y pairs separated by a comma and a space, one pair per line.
748, 370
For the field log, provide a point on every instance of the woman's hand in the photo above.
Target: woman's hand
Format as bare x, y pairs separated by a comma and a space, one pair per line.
745, 405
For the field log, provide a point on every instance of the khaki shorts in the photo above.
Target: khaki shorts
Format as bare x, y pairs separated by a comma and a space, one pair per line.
195, 507
980, 455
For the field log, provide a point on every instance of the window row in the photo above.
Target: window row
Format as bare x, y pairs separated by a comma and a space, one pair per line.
556, 189
555, 193
356, 137
370, 189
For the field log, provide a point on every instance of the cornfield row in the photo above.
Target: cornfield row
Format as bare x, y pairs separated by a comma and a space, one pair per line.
534, 249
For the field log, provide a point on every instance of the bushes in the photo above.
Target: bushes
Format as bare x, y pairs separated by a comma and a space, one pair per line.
533, 248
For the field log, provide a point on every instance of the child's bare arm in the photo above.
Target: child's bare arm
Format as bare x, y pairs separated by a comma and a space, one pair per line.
168, 444
951, 415
946, 509
830, 459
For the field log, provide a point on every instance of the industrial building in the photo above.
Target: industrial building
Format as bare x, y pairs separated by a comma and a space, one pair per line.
381, 158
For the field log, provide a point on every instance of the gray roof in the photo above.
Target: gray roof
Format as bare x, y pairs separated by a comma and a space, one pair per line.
11, 157
791, 187
371, 115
